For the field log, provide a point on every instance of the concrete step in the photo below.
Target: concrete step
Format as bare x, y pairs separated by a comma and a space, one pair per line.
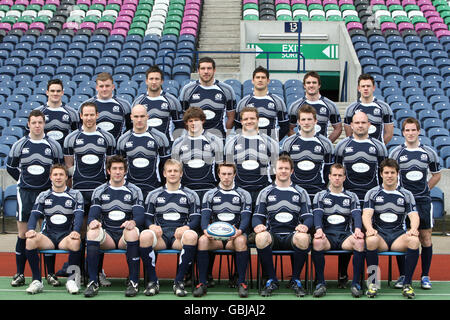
219, 40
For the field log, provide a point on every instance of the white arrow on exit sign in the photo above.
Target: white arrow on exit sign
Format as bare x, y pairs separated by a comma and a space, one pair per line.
331, 51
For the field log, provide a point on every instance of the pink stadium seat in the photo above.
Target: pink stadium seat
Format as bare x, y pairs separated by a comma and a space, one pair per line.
325, 2
375, 2
7, 2
119, 2
135, 2
341, 2
405, 25
71, 25
129, 13
406, 2
391, 2
190, 18
37, 25
188, 31
119, 31
420, 3
422, 26
129, 6
39, 2
87, 2
442, 33
388, 25
308, 2
250, 1
194, 6
5, 26
192, 12
21, 26
439, 26
55, 2
431, 13
105, 24
354, 25
427, 7
281, 1
103, 2
87, 25
22, 2
189, 24
194, 1
126, 19
122, 25
301, 1
432, 20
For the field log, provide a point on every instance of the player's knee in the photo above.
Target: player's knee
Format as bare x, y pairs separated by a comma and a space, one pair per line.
425, 238
31, 243
147, 238
358, 245
240, 243
203, 242
413, 242
372, 243
97, 234
301, 240
189, 237
74, 245
131, 235
263, 239
318, 244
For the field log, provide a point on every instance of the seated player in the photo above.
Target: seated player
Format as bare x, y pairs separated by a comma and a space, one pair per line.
62, 210
115, 215
281, 221
334, 211
385, 210
172, 218
230, 204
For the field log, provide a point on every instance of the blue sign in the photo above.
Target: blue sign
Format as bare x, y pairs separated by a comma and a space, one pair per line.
293, 27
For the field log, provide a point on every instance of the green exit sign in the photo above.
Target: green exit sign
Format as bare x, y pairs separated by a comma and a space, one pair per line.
289, 50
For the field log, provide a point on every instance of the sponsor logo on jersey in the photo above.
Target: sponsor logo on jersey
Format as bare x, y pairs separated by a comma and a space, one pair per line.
424, 157
403, 158
372, 150
295, 198
164, 105
184, 148
327, 201
100, 141
379, 199
262, 146
160, 200
218, 97
183, 200
400, 201
116, 109
376, 111
196, 96
346, 202
25, 151
317, 149
127, 197
65, 118
48, 202
295, 147
150, 144
349, 149
106, 197
271, 105
79, 141
235, 200
129, 144
323, 110
251, 105
238, 147
68, 203
48, 151
217, 199
272, 198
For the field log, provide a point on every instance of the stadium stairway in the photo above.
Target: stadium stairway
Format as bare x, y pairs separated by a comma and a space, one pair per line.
220, 31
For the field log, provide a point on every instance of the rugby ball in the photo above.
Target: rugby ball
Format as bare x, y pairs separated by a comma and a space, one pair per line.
221, 230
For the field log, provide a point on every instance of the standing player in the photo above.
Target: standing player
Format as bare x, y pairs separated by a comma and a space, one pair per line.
114, 112
273, 117
415, 160
281, 221
60, 119
254, 154
326, 109
379, 112
385, 210
144, 149
29, 162
199, 151
85, 153
335, 211
361, 156
311, 152
171, 219
115, 216
230, 204
62, 211
164, 110
215, 98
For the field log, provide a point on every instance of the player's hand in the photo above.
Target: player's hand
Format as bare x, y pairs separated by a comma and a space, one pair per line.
75, 235
157, 230
237, 233
301, 228
179, 231
358, 234
30, 234
319, 234
413, 233
129, 224
94, 224
371, 232
210, 237
260, 228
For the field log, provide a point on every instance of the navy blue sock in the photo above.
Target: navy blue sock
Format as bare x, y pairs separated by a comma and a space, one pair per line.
426, 255
33, 260
92, 258
412, 256
241, 263
21, 258
101, 257
186, 259
149, 261
133, 260
343, 262
299, 259
265, 256
49, 260
358, 266
75, 258
372, 259
319, 264
401, 264
203, 265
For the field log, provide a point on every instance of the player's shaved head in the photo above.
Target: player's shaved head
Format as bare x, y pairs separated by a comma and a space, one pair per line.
360, 116
139, 107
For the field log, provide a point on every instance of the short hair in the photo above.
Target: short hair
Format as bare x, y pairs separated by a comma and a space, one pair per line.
59, 166
36, 113
313, 74
54, 81
173, 162
116, 159
366, 76
207, 60
409, 121
249, 109
192, 113
88, 104
286, 158
154, 68
391, 163
338, 166
260, 69
226, 164
307, 108
104, 76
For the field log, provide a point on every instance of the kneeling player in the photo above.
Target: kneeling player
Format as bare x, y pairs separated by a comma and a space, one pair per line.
281, 221
171, 219
385, 210
334, 211
114, 218
233, 205
62, 210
